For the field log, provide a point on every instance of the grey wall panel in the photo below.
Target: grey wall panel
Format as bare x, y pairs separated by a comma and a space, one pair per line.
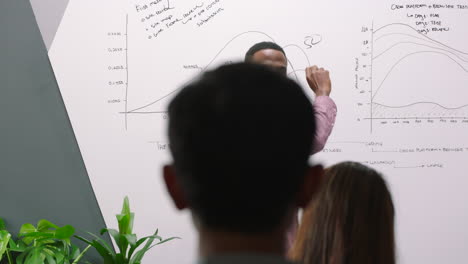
42, 174
49, 14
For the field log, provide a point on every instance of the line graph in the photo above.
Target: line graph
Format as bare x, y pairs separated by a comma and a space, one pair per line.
126, 71
418, 44
418, 33
145, 108
415, 76
138, 109
427, 103
372, 78
406, 57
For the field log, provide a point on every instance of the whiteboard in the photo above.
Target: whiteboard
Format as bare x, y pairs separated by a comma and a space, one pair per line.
400, 76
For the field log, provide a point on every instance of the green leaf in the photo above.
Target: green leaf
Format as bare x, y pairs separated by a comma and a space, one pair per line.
125, 219
2, 224
34, 255
25, 255
37, 235
104, 243
114, 233
167, 240
125, 223
51, 251
66, 242
50, 260
103, 231
53, 248
84, 240
44, 225
104, 252
65, 232
45, 241
20, 258
60, 258
119, 258
126, 206
20, 247
141, 241
143, 251
131, 239
27, 228
139, 255
123, 245
4, 240
75, 252
120, 240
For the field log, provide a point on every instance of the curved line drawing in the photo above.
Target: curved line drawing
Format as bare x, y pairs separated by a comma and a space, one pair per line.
146, 113
208, 65
234, 38
419, 103
303, 52
402, 34
409, 55
408, 26
152, 103
296, 71
419, 44
409, 35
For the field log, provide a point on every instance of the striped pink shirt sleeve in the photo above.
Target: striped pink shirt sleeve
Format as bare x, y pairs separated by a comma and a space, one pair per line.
325, 115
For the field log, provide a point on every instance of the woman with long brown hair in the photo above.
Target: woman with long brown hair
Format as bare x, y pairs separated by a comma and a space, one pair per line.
350, 221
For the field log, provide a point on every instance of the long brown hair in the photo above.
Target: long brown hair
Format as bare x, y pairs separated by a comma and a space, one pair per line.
350, 221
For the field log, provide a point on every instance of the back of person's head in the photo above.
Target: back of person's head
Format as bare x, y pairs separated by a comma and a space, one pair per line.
351, 220
262, 46
240, 138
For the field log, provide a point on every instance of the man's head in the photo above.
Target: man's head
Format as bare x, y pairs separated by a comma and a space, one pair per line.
269, 54
240, 137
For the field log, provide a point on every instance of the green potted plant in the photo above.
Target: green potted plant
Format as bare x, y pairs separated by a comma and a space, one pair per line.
45, 243
5, 237
130, 250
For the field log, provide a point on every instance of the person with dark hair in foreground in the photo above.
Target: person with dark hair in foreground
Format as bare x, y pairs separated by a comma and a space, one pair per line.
273, 56
351, 220
240, 162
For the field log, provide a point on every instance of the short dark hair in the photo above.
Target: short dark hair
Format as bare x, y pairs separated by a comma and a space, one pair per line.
262, 46
240, 137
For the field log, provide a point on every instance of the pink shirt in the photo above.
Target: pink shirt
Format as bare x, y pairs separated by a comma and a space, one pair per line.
325, 115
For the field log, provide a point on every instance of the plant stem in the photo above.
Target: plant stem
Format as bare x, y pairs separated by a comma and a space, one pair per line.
81, 255
9, 257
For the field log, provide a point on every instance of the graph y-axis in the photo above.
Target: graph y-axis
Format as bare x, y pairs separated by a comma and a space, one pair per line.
371, 79
126, 71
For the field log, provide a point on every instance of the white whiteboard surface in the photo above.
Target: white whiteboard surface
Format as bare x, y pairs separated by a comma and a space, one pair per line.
400, 79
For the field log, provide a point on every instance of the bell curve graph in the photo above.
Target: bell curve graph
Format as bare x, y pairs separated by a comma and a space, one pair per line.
243, 39
414, 76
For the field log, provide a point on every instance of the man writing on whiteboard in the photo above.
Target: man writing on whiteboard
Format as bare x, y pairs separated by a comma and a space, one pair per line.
272, 55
